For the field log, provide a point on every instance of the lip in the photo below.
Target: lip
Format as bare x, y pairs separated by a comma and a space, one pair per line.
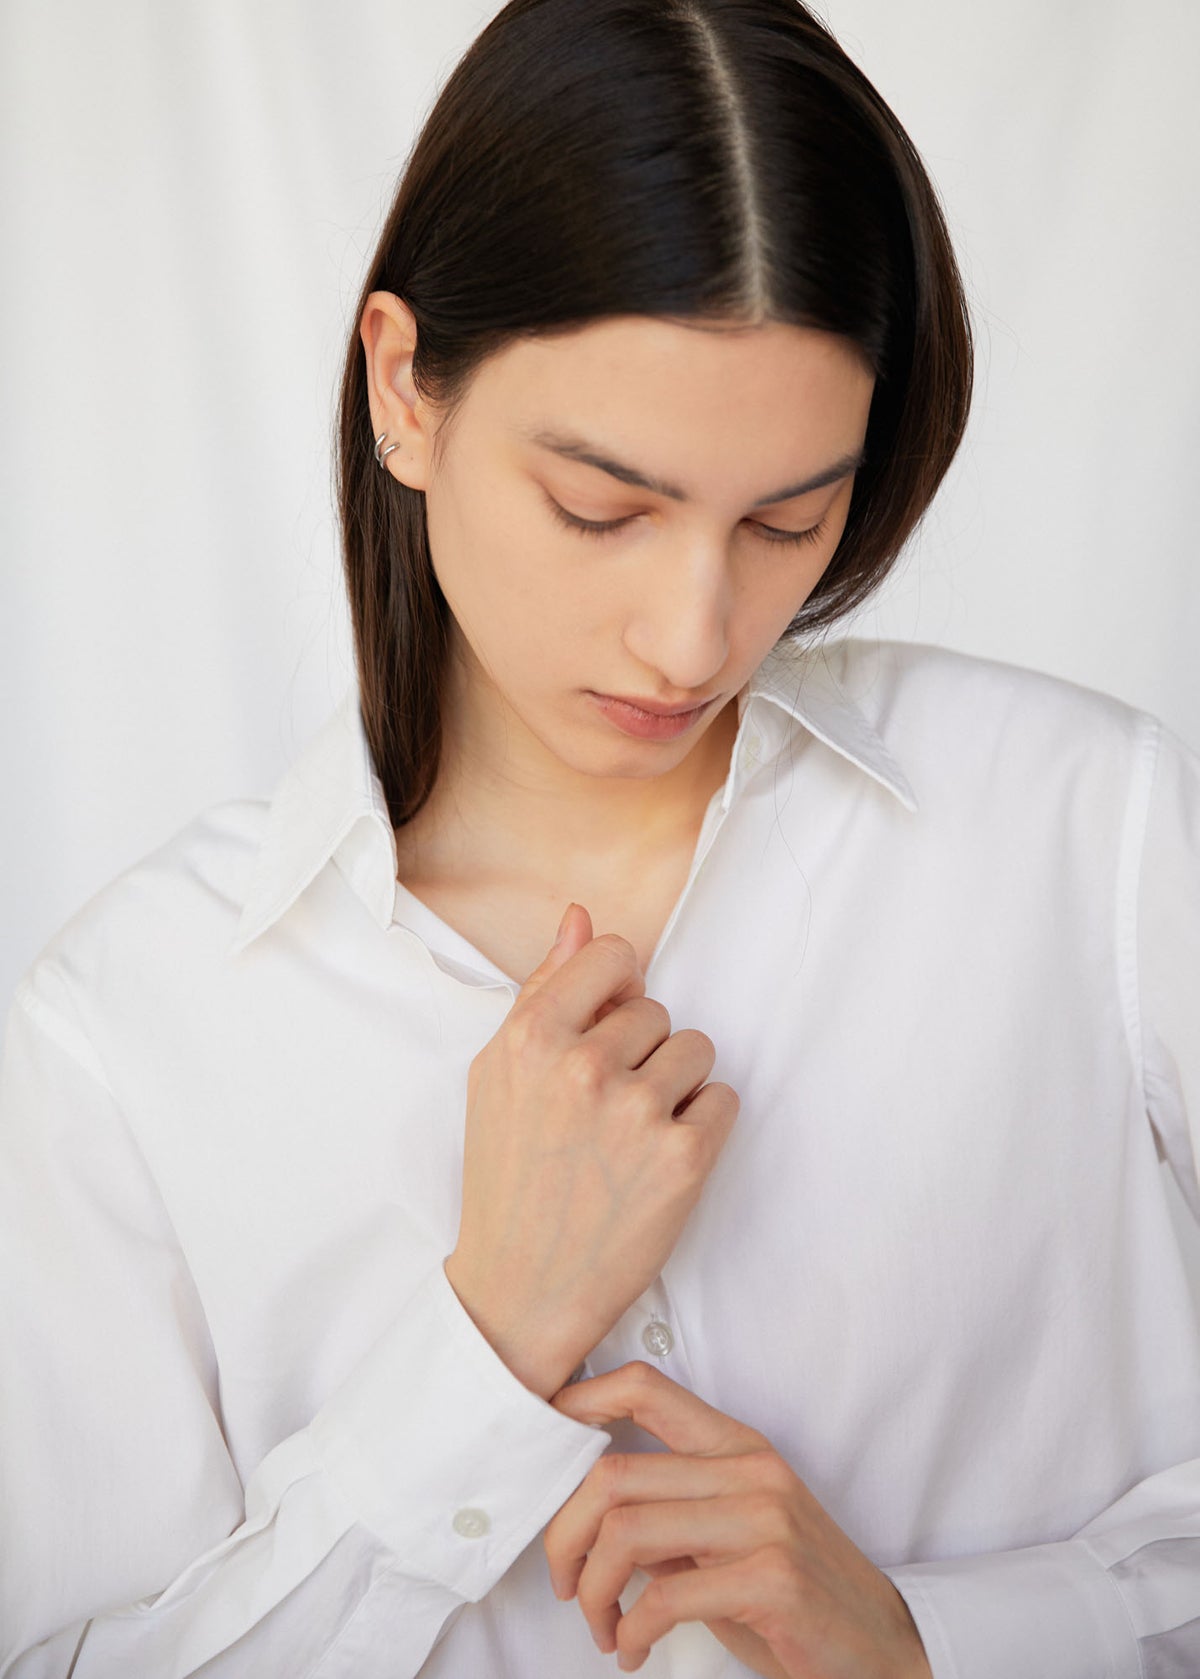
649, 706
647, 725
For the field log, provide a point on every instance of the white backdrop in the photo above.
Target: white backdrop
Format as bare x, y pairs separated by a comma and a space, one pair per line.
190, 194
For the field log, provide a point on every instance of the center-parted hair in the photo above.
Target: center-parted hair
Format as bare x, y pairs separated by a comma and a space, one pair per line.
715, 162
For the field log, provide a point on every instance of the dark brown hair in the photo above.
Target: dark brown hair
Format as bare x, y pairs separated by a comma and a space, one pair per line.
708, 161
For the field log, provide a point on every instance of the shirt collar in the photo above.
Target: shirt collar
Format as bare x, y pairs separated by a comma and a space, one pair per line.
330, 806
800, 684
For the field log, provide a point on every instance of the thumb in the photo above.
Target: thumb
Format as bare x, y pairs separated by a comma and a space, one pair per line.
574, 931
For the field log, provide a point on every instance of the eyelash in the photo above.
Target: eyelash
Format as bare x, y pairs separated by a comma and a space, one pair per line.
589, 528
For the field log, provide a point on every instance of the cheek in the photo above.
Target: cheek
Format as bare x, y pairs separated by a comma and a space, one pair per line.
513, 602
777, 598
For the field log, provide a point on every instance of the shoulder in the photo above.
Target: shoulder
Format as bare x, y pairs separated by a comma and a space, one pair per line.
158, 926
965, 698
899, 676
1003, 734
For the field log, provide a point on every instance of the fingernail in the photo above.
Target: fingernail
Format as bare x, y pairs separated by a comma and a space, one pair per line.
562, 926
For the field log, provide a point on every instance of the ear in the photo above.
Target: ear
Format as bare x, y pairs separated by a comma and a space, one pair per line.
388, 330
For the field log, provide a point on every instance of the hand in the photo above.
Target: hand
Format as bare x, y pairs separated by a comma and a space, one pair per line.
732, 1537
588, 1139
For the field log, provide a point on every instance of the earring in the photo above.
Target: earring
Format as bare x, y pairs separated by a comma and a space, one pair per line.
387, 451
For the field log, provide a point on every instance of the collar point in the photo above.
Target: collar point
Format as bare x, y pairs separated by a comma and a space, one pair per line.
247, 932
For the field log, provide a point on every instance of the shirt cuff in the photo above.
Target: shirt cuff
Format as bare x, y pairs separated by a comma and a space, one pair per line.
443, 1452
1050, 1609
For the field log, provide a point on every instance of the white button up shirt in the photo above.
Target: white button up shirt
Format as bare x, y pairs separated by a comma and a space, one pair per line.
942, 924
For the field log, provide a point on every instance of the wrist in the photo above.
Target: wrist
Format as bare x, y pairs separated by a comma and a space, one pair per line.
540, 1362
915, 1664
918, 1667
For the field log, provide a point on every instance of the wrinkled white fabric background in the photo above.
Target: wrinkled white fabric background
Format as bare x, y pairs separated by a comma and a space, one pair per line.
190, 193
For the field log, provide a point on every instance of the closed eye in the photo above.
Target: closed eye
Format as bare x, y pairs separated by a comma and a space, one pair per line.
592, 527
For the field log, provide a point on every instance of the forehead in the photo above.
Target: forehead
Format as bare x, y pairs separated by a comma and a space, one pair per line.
668, 392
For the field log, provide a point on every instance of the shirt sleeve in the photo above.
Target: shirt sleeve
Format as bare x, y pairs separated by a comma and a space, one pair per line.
128, 1543
1120, 1599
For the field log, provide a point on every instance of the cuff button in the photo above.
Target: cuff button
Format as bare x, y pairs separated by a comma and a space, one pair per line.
472, 1524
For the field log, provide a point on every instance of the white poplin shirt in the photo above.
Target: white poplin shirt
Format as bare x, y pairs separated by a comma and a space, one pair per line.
942, 924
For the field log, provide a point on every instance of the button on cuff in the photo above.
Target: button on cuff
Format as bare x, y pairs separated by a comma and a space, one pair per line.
407, 1455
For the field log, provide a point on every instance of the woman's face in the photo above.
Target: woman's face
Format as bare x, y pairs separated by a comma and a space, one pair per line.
712, 557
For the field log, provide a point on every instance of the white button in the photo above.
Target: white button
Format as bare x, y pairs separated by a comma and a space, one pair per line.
472, 1524
657, 1339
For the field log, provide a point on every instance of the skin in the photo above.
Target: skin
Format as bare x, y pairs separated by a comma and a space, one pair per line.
541, 796
538, 793
731, 1536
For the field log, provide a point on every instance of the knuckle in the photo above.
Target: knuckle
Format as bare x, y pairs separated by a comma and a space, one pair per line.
694, 1145
659, 1012
620, 946
769, 1470
769, 1516
703, 1042
617, 1524
776, 1567
585, 1066
531, 1029
643, 1376
657, 1596
729, 1102
611, 1471
588, 1595
642, 1102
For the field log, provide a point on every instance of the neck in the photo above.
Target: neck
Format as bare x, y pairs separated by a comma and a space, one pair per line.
506, 808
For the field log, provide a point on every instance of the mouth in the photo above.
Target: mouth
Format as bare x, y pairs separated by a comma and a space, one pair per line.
652, 708
648, 725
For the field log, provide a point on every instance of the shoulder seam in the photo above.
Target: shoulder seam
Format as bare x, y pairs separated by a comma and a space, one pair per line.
1129, 873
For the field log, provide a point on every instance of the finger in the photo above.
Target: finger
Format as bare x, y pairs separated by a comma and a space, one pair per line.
569, 989
714, 1108
674, 1066
673, 1414
628, 1478
637, 1030
633, 1535
678, 1066
752, 1590
575, 931
673, 1566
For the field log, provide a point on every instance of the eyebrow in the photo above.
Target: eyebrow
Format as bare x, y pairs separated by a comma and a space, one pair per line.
576, 449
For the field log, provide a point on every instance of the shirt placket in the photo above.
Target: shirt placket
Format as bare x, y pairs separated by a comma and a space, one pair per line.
745, 757
648, 1330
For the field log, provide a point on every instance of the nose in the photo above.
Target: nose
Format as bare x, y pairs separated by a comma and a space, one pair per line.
679, 621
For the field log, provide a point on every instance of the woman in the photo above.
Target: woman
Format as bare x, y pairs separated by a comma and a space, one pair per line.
350, 1217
